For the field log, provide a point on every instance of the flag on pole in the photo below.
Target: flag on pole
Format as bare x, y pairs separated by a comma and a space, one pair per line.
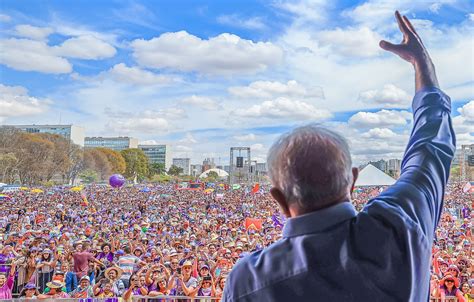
253, 223
467, 187
255, 188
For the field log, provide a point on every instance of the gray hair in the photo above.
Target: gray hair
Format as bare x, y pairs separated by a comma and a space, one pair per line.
311, 165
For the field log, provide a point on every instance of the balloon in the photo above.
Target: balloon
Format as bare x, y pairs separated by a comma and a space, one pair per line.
116, 180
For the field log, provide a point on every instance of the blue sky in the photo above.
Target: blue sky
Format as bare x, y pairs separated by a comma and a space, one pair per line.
207, 75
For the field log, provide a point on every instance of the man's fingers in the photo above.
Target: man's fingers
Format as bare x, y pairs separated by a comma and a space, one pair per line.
401, 24
410, 26
389, 46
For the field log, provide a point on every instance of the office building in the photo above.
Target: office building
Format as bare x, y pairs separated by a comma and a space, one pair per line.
184, 163
157, 154
196, 170
380, 164
115, 143
394, 167
70, 132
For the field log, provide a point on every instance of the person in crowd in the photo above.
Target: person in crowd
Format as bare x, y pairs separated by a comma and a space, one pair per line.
29, 292
449, 287
135, 288
55, 291
84, 290
114, 274
45, 268
6, 283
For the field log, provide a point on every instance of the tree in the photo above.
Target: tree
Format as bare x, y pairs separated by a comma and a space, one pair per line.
76, 163
213, 174
175, 170
34, 154
59, 160
136, 163
88, 176
97, 161
8, 162
115, 158
156, 168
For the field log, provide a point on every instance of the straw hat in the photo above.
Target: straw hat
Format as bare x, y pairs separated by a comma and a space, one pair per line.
113, 268
55, 284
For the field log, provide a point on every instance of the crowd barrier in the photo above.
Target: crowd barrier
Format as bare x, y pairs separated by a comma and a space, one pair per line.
167, 299
134, 299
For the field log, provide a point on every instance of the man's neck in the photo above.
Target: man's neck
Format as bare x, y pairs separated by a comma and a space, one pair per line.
295, 210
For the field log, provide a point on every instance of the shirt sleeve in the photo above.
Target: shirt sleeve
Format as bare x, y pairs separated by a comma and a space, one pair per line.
10, 282
418, 194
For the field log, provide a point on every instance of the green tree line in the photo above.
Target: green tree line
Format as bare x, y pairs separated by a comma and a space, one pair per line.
39, 158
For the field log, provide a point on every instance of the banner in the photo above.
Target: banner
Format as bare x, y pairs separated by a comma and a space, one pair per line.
253, 223
235, 186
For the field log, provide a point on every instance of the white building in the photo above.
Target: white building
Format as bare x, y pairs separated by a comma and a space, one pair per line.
115, 143
158, 153
71, 132
184, 163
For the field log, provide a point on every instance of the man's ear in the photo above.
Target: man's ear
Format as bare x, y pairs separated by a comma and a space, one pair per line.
278, 195
355, 174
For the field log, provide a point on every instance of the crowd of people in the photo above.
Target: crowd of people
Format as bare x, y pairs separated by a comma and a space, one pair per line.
164, 241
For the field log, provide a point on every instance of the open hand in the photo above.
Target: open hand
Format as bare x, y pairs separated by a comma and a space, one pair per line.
411, 48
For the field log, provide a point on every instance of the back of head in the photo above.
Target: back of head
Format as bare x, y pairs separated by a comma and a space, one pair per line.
312, 166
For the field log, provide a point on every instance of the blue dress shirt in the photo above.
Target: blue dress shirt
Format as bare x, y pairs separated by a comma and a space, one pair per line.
382, 253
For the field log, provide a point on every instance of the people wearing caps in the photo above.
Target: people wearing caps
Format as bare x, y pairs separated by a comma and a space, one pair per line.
84, 290
449, 286
29, 291
185, 285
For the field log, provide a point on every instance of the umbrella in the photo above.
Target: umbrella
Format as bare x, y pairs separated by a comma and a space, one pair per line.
37, 191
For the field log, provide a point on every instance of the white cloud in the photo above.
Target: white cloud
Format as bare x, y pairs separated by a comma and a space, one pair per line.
182, 148
304, 11
382, 118
467, 112
15, 101
203, 102
139, 124
33, 32
29, 55
269, 89
137, 76
85, 47
223, 54
171, 113
351, 42
471, 17
149, 142
390, 96
379, 133
236, 21
5, 18
284, 108
245, 137
188, 139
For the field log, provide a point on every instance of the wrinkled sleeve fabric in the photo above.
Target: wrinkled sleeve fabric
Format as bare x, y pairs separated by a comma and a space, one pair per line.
418, 194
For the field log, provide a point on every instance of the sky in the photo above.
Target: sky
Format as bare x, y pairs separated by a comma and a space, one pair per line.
205, 76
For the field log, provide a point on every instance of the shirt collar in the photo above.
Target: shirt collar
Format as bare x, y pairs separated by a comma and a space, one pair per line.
319, 220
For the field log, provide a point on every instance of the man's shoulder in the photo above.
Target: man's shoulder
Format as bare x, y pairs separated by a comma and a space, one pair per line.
261, 269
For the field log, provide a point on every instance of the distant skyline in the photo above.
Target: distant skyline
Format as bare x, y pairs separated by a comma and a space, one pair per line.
207, 75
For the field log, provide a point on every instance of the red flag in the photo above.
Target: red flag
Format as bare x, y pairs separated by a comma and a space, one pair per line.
256, 188
253, 223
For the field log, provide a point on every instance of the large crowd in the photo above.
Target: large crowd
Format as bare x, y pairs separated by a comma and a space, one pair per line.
164, 241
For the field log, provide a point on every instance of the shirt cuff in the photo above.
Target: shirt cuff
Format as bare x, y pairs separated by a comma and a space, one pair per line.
431, 97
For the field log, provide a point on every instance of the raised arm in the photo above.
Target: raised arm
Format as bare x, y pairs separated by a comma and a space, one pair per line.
425, 167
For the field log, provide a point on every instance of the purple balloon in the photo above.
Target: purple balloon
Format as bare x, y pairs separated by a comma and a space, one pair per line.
116, 180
